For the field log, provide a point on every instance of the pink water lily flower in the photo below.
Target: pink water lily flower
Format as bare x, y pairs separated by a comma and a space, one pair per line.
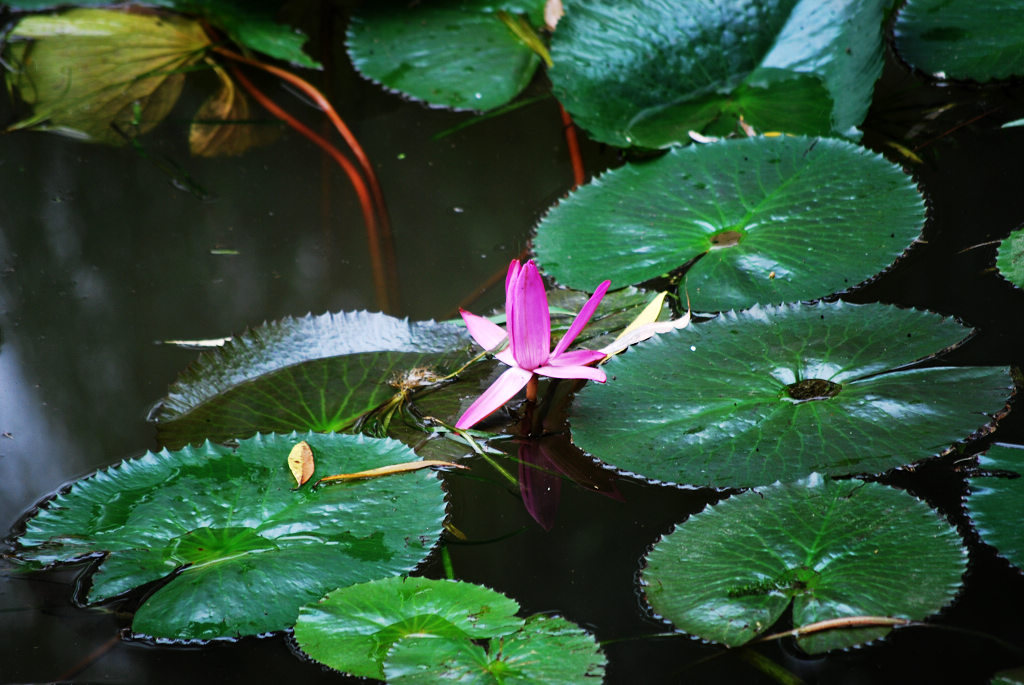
529, 342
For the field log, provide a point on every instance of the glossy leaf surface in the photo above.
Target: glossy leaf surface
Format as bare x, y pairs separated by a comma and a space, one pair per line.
459, 55
962, 39
235, 547
775, 393
770, 219
830, 549
996, 501
646, 72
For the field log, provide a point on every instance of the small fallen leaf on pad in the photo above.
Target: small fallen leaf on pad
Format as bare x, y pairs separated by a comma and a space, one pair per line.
389, 470
300, 462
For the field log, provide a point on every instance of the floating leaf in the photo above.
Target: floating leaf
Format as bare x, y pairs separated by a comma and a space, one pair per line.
831, 549
962, 39
547, 649
996, 501
223, 126
300, 462
646, 72
235, 548
1010, 258
316, 373
249, 22
774, 393
457, 55
352, 629
101, 74
770, 219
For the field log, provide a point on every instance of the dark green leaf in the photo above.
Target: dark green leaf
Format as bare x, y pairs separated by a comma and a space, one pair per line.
457, 54
238, 550
646, 72
996, 502
775, 393
772, 220
962, 39
1010, 258
832, 549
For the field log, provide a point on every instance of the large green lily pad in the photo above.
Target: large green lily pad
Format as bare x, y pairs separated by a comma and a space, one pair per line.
459, 55
996, 501
646, 72
771, 220
962, 39
234, 547
830, 549
775, 393
317, 373
417, 630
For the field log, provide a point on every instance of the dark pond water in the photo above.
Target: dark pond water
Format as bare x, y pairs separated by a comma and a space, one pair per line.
103, 253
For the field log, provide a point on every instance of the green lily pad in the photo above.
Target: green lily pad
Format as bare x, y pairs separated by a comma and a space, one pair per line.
646, 72
99, 74
235, 547
1010, 258
770, 219
459, 55
248, 22
316, 373
831, 549
353, 628
775, 393
961, 39
548, 649
996, 502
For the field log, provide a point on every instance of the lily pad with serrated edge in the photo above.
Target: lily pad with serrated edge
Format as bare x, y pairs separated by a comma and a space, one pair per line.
352, 629
319, 373
830, 549
775, 393
646, 72
547, 649
1010, 258
996, 501
235, 548
961, 39
459, 55
770, 219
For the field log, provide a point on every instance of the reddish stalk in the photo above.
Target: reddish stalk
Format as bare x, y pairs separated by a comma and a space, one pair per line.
573, 142
380, 281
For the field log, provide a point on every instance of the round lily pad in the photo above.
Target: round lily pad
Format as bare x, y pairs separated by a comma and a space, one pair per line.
830, 549
1010, 258
996, 501
646, 72
235, 547
548, 649
774, 393
352, 629
962, 39
319, 373
770, 220
457, 55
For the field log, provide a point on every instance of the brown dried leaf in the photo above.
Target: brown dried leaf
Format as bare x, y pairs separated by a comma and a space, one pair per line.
300, 462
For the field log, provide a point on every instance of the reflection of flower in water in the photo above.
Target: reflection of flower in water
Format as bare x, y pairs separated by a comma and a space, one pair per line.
544, 462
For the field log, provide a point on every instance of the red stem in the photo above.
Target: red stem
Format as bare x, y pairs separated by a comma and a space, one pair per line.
573, 142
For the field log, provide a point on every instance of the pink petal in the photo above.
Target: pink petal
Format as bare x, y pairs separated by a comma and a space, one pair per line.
529, 321
510, 277
577, 358
583, 372
582, 319
501, 391
505, 357
487, 334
